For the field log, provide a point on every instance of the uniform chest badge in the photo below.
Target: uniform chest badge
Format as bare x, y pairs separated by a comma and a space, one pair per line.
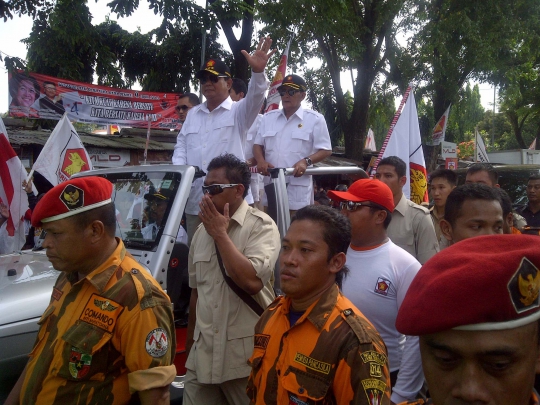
382, 286
79, 363
157, 343
300, 125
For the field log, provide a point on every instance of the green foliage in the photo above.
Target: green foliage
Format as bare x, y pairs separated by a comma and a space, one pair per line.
465, 114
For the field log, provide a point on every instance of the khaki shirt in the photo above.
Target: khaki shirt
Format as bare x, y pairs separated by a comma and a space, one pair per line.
224, 328
411, 228
443, 242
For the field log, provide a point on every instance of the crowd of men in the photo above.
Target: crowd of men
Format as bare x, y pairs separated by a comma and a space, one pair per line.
385, 301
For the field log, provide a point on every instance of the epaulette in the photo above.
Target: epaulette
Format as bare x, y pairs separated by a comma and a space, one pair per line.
358, 325
418, 207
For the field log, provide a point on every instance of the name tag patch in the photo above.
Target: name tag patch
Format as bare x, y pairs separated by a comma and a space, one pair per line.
261, 341
312, 364
101, 312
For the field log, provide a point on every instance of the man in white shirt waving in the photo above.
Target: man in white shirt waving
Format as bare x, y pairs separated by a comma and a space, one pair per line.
219, 125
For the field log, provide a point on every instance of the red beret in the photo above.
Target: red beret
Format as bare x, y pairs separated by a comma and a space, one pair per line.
482, 283
72, 197
366, 190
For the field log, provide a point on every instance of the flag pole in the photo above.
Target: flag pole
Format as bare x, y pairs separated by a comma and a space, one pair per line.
147, 138
475, 144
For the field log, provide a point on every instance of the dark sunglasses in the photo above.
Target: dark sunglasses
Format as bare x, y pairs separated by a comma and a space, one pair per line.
290, 92
351, 205
181, 107
211, 78
216, 188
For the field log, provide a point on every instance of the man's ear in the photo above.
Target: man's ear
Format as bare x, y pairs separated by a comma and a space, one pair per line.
96, 230
380, 216
337, 262
446, 229
402, 181
240, 191
229, 83
303, 95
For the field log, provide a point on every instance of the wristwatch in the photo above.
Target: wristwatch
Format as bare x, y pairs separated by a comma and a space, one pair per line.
308, 161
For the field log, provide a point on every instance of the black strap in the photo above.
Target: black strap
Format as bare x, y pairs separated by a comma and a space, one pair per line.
244, 296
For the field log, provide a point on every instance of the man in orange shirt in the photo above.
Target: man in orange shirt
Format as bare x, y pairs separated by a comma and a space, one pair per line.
108, 331
314, 345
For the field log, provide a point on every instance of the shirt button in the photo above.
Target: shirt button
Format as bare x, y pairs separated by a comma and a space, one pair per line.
217, 281
301, 390
216, 331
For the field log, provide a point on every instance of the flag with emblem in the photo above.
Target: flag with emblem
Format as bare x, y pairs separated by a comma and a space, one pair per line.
273, 100
439, 131
480, 148
403, 140
370, 141
63, 155
12, 195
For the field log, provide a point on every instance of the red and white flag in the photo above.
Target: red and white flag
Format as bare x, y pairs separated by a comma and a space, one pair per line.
403, 140
440, 128
273, 99
370, 141
63, 155
12, 175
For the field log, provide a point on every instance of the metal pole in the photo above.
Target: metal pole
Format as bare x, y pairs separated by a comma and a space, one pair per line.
203, 50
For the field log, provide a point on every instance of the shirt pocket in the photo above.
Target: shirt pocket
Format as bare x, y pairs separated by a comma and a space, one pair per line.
201, 261
222, 129
85, 354
192, 136
305, 386
239, 345
269, 140
300, 142
43, 326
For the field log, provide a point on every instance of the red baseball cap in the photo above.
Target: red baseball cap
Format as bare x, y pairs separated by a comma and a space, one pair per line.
366, 190
482, 283
72, 197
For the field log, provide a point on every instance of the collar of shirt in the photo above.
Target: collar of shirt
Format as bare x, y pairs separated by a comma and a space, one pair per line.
101, 276
299, 113
319, 312
227, 104
240, 215
401, 206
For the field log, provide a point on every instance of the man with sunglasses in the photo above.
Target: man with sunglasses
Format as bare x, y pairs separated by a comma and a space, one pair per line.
292, 137
185, 103
379, 277
220, 125
246, 243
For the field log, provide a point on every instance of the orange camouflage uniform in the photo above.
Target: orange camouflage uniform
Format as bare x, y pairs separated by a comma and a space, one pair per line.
332, 355
534, 401
102, 338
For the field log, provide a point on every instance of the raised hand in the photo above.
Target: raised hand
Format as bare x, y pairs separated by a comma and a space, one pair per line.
259, 58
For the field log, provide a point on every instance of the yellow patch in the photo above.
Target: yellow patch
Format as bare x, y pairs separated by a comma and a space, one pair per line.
312, 364
373, 357
375, 370
101, 312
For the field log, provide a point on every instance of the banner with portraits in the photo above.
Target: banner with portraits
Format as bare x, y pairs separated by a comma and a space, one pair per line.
33, 95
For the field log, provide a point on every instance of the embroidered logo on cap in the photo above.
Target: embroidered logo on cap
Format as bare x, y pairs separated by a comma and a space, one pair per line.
524, 286
72, 197
210, 63
79, 363
157, 343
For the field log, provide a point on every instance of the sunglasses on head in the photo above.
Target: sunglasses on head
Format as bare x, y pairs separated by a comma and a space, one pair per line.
351, 205
290, 92
216, 188
181, 107
211, 78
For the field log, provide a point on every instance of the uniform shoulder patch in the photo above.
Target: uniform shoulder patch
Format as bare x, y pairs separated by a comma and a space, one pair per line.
418, 207
157, 343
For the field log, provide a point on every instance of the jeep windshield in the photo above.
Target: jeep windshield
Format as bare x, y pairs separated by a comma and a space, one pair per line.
143, 202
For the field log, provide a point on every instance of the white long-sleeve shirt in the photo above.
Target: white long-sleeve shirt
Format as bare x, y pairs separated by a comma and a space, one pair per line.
206, 134
377, 283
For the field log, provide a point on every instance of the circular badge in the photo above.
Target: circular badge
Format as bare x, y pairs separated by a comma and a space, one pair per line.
157, 343
174, 262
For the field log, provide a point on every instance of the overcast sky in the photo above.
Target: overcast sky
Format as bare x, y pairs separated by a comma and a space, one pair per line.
13, 31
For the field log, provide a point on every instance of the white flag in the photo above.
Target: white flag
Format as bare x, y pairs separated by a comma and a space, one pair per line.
403, 140
440, 128
3, 129
370, 141
63, 155
481, 154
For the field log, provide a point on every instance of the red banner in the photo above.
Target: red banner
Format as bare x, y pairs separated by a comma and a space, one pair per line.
38, 96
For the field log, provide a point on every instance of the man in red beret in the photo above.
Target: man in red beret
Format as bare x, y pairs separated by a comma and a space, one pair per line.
108, 331
380, 274
477, 316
